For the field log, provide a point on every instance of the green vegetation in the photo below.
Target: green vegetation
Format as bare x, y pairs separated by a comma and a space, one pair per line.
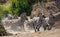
16, 7
19, 6
46, 0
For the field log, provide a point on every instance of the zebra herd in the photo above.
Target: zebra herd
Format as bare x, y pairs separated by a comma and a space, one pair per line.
39, 20
42, 20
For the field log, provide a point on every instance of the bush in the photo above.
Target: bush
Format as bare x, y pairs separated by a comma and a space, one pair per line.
46, 1
19, 6
16, 7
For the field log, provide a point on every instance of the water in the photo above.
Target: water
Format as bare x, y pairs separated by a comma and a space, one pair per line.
15, 26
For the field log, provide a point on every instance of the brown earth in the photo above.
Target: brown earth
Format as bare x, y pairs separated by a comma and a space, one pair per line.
51, 33
48, 33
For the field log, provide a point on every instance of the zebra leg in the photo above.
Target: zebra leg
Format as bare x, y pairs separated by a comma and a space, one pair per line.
35, 29
38, 27
49, 27
44, 26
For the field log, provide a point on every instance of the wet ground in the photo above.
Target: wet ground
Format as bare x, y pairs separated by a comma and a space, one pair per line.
48, 33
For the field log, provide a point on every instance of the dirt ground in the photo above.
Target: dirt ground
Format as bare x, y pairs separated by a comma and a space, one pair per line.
51, 33
48, 33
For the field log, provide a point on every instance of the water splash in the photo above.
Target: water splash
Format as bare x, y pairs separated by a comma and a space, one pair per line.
15, 26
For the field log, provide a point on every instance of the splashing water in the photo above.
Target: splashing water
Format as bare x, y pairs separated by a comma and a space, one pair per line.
14, 26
